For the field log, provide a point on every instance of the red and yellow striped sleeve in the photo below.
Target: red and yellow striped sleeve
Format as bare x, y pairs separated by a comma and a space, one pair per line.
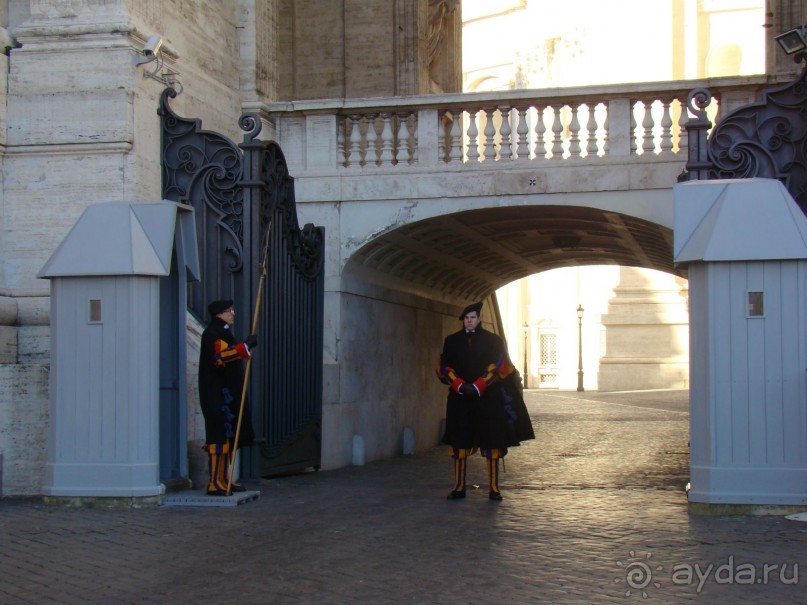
506, 367
495, 371
224, 353
447, 375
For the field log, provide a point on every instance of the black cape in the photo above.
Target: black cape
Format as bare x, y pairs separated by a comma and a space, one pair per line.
497, 419
220, 389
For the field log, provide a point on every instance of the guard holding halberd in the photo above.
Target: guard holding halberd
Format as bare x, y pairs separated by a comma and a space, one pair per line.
221, 381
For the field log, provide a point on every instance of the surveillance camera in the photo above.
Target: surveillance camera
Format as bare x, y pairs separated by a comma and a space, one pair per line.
152, 46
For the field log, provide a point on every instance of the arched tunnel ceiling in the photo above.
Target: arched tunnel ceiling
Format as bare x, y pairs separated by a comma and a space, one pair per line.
470, 254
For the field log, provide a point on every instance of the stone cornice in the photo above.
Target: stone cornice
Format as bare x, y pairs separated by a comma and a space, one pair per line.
24, 308
29, 30
6, 291
59, 18
67, 148
83, 35
633, 90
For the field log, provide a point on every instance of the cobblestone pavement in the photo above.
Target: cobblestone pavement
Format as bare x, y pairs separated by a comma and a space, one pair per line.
594, 512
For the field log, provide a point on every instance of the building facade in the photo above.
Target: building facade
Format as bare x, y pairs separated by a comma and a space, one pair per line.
634, 327
79, 126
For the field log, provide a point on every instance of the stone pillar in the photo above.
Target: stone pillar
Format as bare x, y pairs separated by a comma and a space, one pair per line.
81, 127
66, 130
8, 306
444, 60
258, 42
411, 17
258, 24
646, 333
781, 16
71, 128
368, 48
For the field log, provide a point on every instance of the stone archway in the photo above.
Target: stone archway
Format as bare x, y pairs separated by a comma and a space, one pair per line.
400, 292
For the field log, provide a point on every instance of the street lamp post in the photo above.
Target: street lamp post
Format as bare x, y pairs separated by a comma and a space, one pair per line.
580, 348
526, 371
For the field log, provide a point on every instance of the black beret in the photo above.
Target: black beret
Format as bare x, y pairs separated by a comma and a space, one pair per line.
219, 306
471, 308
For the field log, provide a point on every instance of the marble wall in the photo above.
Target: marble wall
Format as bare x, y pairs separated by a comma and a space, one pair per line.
81, 127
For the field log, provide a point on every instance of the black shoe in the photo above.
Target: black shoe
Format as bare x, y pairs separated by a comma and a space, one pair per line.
456, 495
217, 492
497, 496
237, 487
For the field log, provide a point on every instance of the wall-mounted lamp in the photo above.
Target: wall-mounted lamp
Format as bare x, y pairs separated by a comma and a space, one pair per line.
152, 53
793, 41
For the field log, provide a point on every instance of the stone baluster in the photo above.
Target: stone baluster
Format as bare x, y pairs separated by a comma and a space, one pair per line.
386, 156
540, 130
354, 157
618, 124
443, 137
522, 130
473, 134
386, 153
455, 138
341, 125
505, 146
666, 129
557, 131
490, 135
413, 130
404, 154
591, 128
683, 134
648, 144
574, 133
718, 109
371, 153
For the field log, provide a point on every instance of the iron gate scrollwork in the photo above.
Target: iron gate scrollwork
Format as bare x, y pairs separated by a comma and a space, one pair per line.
242, 194
202, 168
766, 139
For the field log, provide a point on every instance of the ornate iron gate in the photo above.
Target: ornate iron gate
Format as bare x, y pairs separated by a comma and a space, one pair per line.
243, 194
766, 139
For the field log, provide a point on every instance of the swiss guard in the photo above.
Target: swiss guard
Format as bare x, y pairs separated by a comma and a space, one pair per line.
221, 382
485, 407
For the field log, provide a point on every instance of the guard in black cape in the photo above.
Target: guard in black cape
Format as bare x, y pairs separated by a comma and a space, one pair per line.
485, 407
221, 380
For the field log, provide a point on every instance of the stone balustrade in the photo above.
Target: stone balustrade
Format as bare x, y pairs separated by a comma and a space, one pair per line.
480, 129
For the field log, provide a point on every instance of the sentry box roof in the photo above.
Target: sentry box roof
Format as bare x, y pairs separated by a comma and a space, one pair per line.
126, 239
737, 220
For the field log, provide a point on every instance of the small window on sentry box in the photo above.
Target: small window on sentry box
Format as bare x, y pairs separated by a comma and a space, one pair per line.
95, 310
756, 304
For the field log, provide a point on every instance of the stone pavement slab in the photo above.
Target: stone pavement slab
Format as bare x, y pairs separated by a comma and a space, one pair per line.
594, 512
200, 498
